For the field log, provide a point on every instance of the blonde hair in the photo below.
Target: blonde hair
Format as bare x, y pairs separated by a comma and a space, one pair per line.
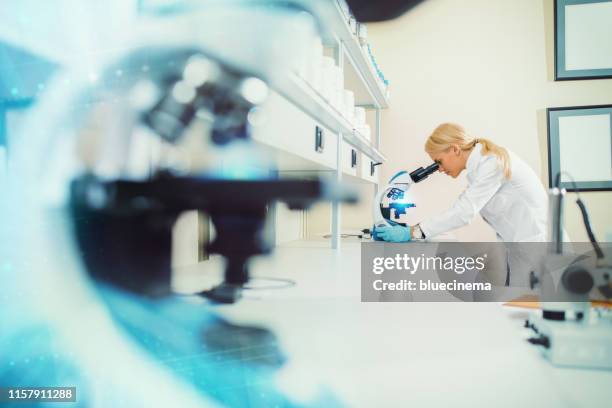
448, 134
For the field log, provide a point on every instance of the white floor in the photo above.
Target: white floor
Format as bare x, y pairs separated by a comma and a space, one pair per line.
394, 354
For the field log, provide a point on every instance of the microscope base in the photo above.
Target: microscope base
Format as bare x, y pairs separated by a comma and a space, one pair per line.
577, 344
225, 293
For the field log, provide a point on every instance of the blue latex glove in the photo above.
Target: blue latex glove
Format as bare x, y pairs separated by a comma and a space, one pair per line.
392, 233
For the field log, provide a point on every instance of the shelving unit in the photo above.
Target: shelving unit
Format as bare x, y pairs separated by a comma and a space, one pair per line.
360, 78
300, 93
358, 63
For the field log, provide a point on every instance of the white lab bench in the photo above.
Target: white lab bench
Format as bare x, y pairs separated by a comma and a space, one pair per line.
394, 354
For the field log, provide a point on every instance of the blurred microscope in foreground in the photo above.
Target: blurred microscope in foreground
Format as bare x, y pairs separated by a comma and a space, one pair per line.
124, 140
120, 222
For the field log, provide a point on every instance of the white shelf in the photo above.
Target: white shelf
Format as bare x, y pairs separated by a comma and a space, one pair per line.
358, 61
304, 96
361, 144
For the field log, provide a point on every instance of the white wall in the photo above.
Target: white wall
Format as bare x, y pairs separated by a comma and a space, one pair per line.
488, 65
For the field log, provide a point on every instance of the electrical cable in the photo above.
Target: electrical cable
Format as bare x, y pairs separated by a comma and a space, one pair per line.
366, 234
585, 214
587, 225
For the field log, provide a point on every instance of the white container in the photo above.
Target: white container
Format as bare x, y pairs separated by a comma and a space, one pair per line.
337, 99
339, 79
365, 132
316, 76
329, 77
360, 117
315, 64
352, 23
333, 86
339, 102
362, 30
349, 105
305, 65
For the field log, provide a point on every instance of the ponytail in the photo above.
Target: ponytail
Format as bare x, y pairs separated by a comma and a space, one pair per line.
488, 147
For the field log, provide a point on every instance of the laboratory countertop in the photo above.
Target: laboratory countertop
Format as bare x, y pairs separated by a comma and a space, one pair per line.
393, 354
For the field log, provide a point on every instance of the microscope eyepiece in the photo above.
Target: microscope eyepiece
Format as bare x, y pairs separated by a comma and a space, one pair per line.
422, 173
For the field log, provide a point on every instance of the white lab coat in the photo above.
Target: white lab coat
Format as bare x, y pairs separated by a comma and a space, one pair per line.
515, 208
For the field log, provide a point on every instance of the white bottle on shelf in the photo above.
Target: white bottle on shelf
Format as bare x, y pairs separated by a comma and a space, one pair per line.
349, 106
365, 132
338, 98
360, 116
329, 77
315, 72
362, 32
352, 23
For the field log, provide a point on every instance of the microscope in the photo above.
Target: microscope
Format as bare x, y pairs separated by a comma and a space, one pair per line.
123, 226
127, 136
570, 330
161, 124
394, 195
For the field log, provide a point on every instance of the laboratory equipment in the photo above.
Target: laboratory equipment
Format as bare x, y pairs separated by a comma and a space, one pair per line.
108, 157
164, 128
392, 201
123, 225
569, 329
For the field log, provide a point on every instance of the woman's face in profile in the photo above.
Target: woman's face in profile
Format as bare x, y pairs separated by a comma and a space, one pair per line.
451, 161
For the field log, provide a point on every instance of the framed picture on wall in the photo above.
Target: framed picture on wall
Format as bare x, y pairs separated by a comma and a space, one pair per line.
580, 147
583, 39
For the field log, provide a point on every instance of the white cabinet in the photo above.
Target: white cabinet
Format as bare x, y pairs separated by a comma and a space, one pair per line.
304, 131
350, 159
296, 136
369, 169
307, 130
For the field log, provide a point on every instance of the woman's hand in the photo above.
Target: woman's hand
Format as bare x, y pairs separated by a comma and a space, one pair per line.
393, 233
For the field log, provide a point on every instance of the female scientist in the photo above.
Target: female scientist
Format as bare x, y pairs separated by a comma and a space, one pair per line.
501, 187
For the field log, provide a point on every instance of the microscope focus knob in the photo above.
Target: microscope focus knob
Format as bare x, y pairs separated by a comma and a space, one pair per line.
577, 279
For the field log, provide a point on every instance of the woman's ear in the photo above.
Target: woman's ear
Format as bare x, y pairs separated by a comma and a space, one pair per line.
456, 150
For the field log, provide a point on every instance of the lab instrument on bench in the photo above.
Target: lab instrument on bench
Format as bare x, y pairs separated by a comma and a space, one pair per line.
569, 329
392, 201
